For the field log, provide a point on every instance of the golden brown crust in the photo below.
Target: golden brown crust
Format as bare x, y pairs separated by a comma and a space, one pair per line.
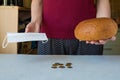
96, 29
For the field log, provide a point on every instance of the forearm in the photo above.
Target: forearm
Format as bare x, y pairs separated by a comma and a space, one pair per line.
103, 8
36, 11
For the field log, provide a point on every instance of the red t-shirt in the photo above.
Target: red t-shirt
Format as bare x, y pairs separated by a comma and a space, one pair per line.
60, 17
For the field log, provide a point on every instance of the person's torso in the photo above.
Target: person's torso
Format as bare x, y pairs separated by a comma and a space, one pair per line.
60, 17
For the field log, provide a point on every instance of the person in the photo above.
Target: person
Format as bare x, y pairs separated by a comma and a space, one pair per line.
58, 19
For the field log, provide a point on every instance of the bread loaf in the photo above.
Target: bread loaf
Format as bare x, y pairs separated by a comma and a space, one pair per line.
96, 29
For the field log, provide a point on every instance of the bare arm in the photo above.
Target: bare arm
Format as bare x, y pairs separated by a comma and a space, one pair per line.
36, 11
103, 8
36, 16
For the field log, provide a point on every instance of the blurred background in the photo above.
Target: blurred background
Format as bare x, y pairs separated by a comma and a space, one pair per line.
16, 14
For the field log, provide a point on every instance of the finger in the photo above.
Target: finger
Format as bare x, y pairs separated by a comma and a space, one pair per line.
26, 30
93, 42
103, 41
87, 42
113, 38
99, 44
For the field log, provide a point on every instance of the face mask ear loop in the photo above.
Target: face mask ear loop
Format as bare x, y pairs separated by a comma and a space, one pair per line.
5, 43
45, 41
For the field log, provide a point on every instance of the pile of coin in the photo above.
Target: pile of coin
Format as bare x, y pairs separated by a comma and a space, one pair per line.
69, 65
61, 65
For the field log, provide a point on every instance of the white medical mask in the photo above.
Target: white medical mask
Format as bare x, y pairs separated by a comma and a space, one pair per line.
23, 37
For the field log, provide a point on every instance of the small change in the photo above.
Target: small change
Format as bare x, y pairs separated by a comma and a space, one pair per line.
61, 65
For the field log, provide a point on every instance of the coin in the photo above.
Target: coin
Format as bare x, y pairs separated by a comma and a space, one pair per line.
61, 66
54, 67
68, 64
69, 67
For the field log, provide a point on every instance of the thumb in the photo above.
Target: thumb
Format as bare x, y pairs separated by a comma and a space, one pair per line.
26, 30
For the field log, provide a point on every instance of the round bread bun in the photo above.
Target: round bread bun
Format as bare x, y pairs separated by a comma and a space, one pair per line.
96, 29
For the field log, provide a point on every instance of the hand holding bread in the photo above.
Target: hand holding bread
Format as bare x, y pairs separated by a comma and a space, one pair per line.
96, 30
